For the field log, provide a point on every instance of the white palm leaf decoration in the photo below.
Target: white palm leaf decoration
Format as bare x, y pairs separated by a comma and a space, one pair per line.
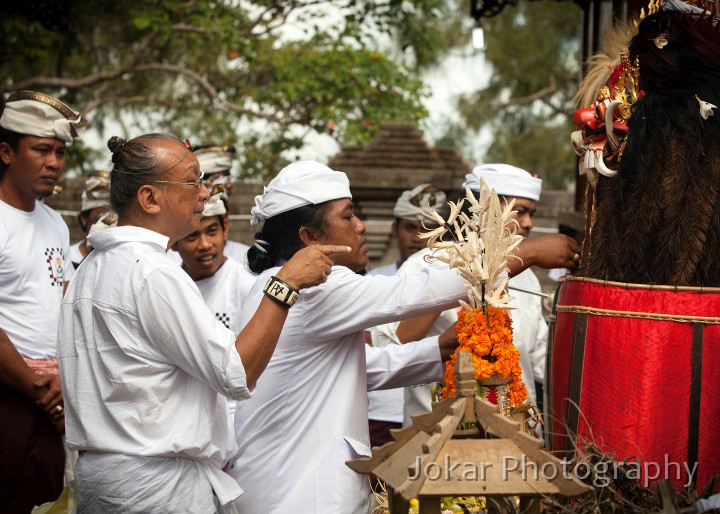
481, 245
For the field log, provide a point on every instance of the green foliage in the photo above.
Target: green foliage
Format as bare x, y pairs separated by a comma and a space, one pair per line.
284, 69
533, 50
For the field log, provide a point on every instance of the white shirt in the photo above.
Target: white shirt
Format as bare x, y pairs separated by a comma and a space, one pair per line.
75, 256
386, 405
224, 294
225, 291
237, 251
530, 331
144, 363
33, 271
388, 270
309, 412
418, 399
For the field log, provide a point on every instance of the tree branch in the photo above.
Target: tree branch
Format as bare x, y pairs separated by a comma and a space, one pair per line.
520, 100
184, 27
209, 89
89, 80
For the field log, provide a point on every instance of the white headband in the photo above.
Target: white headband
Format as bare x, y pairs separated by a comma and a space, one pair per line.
506, 180
106, 221
96, 192
300, 183
215, 159
424, 197
39, 115
215, 205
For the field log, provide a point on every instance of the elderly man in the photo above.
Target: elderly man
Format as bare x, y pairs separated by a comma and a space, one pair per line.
34, 241
95, 202
145, 365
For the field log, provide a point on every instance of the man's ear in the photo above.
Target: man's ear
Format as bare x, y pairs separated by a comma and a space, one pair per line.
226, 228
5, 153
149, 199
393, 229
308, 236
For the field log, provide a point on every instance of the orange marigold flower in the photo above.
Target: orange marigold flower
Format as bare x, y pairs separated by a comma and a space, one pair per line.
488, 339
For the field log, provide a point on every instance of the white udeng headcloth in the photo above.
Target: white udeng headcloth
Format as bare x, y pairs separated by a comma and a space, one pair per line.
425, 197
506, 180
215, 159
96, 192
300, 183
218, 187
40, 115
215, 205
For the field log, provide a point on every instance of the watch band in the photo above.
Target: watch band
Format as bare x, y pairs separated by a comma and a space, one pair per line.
281, 292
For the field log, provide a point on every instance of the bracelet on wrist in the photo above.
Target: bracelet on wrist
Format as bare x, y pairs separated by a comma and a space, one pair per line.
281, 292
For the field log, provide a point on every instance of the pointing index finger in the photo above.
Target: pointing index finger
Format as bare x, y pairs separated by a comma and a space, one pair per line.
333, 249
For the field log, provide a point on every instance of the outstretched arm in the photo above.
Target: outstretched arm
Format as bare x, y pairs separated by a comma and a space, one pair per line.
256, 342
416, 328
548, 251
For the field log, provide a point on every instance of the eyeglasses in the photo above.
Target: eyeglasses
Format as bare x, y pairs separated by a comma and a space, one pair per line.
197, 182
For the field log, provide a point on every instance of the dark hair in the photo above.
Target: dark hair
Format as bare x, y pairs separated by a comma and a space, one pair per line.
282, 235
12, 139
135, 164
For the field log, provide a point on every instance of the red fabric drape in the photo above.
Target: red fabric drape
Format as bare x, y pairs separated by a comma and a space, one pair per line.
635, 385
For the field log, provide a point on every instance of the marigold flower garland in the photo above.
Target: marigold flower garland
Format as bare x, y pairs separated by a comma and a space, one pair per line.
491, 349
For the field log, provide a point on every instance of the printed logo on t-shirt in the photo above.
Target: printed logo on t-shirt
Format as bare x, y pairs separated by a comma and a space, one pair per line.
56, 262
223, 318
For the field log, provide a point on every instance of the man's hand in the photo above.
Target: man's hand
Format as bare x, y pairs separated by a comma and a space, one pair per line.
448, 342
49, 395
50, 400
310, 266
548, 251
59, 423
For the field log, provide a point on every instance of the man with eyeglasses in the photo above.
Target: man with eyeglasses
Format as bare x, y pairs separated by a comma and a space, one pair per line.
146, 368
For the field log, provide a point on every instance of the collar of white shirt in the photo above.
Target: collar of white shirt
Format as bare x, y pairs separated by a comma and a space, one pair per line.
127, 233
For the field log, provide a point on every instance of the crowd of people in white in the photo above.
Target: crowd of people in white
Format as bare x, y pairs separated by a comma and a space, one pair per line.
189, 373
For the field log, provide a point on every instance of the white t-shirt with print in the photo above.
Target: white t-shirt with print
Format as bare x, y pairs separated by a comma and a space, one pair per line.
33, 271
225, 291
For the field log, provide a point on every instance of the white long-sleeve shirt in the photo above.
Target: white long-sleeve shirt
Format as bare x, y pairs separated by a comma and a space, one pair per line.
309, 412
145, 366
